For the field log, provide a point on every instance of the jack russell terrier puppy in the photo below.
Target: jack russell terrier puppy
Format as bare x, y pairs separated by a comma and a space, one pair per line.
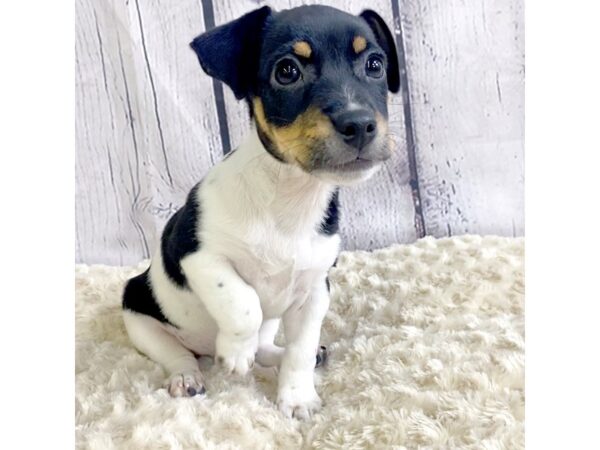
254, 241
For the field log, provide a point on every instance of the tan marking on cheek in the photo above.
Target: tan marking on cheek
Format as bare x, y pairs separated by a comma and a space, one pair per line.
382, 124
359, 43
259, 116
297, 141
302, 48
382, 127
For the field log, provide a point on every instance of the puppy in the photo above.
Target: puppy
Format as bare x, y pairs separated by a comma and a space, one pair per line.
254, 241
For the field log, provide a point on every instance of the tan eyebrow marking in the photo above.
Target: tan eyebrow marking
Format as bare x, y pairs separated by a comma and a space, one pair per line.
359, 43
301, 48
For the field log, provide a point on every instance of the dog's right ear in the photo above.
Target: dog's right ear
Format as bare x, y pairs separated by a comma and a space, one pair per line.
385, 39
231, 52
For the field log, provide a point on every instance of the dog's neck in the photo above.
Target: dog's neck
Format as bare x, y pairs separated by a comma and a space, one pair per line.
282, 192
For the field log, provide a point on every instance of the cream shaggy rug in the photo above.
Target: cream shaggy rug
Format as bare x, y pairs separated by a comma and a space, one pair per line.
426, 351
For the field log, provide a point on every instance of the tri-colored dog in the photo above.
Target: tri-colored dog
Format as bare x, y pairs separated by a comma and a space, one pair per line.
254, 241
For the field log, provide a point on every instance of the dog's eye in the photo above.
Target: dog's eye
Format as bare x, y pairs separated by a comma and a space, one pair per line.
287, 72
374, 67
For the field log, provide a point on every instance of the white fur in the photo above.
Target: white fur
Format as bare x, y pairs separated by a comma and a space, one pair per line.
261, 258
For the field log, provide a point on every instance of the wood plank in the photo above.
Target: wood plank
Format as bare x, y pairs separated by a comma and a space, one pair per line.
110, 227
380, 211
145, 123
178, 119
466, 77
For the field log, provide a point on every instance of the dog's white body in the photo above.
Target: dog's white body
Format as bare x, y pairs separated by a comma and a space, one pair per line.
261, 259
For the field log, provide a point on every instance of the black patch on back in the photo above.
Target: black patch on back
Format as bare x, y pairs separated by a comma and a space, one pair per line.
330, 224
179, 237
138, 297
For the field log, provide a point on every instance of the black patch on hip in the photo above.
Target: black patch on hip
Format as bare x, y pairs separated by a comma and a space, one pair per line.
180, 238
138, 297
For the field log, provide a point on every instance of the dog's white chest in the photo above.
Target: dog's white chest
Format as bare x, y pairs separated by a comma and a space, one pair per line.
282, 271
265, 219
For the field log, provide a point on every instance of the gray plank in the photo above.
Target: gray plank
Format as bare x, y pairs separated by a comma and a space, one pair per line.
466, 75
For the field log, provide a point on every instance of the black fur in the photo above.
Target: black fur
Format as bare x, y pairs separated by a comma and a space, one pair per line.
386, 42
332, 63
331, 221
230, 52
180, 238
138, 297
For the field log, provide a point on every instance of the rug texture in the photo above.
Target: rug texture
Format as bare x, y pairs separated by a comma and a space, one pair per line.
426, 351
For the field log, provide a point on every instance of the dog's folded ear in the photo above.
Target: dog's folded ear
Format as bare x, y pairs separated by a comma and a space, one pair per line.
385, 39
231, 51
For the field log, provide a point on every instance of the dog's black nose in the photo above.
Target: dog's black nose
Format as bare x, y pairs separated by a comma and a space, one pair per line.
357, 127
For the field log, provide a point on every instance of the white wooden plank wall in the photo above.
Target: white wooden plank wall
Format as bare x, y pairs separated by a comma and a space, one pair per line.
150, 123
465, 65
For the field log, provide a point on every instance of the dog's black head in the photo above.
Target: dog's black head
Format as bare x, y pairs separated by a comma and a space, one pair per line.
316, 80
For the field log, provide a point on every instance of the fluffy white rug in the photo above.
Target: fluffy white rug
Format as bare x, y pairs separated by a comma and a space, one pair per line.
426, 350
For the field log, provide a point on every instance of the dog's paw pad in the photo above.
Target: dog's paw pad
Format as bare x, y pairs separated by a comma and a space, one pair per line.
236, 356
185, 384
238, 365
301, 410
299, 403
192, 391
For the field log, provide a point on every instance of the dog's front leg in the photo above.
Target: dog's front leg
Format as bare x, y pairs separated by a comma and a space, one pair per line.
232, 303
297, 396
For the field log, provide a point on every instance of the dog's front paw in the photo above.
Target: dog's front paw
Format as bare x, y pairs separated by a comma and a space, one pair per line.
235, 355
299, 403
185, 384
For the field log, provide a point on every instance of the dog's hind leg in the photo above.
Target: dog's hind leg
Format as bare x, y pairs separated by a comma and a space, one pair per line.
150, 338
269, 354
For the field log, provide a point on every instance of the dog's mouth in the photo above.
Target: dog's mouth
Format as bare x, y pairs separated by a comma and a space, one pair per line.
357, 165
349, 172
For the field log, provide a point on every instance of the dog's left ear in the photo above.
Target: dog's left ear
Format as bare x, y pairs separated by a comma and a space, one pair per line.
231, 52
385, 39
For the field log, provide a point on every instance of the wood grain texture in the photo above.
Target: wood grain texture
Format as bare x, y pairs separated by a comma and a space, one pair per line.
112, 226
465, 61
145, 123
380, 211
